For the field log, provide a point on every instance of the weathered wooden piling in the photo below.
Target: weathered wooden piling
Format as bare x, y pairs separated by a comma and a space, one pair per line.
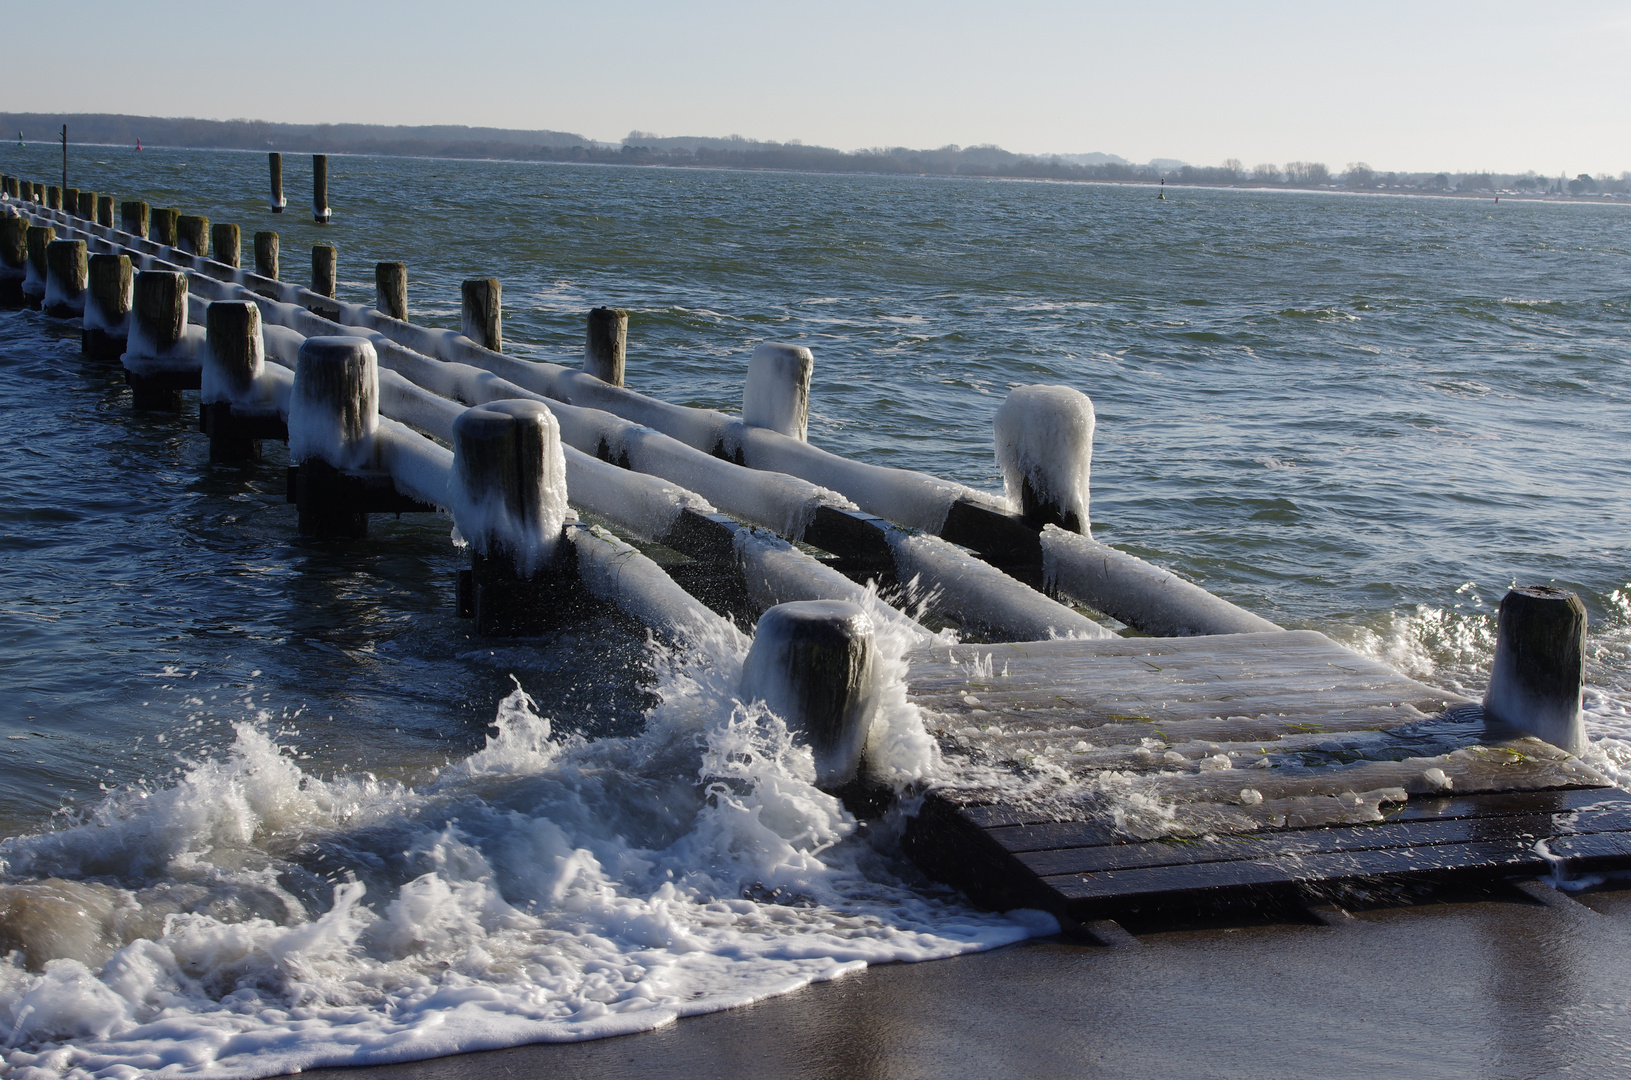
391, 289
65, 278
319, 188
163, 226
275, 160
158, 316
481, 312
39, 238
13, 258
812, 662
324, 270
104, 211
133, 217
53, 197
509, 476
39, 193
87, 205
226, 241
1539, 669
70, 201
607, 341
266, 252
333, 418
11, 186
234, 357
1044, 442
777, 392
193, 234
107, 305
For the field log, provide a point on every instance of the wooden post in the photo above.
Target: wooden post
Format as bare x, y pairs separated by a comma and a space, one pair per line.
391, 289
87, 205
1540, 649
278, 202
319, 188
162, 226
324, 270
70, 201
133, 218
227, 242
158, 315
53, 198
65, 273
266, 254
333, 415
777, 392
604, 350
104, 211
481, 310
107, 305
812, 663
39, 238
9, 185
13, 258
193, 234
1044, 441
234, 359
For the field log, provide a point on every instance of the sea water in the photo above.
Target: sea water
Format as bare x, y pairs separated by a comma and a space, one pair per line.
268, 804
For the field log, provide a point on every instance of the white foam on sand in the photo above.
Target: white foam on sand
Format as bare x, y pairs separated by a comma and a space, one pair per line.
255, 919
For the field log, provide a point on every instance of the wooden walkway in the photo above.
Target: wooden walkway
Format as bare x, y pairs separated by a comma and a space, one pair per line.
1150, 780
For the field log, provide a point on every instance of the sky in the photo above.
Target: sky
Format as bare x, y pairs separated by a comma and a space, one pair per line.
1506, 87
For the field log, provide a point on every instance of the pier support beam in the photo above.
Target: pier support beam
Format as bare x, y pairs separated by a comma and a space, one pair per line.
133, 217
158, 315
65, 278
86, 203
107, 306
70, 201
233, 360
1044, 438
1540, 649
39, 238
266, 252
391, 289
777, 392
812, 662
481, 311
53, 197
193, 234
607, 343
319, 188
104, 211
13, 258
227, 242
162, 226
275, 160
333, 417
324, 270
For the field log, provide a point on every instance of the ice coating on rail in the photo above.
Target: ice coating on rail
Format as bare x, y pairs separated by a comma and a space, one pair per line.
776, 394
982, 596
509, 490
1044, 437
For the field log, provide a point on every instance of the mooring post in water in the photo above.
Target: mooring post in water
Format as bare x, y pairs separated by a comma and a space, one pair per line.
606, 344
266, 255
162, 225
13, 258
158, 318
53, 198
229, 411
777, 392
104, 211
481, 312
333, 418
133, 218
193, 234
70, 201
227, 243
65, 278
812, 662
39, 238
87, 205
1044, 440
275, 159
319, 188
509, 476
1539, 669
391, 289
324, 270
107, 306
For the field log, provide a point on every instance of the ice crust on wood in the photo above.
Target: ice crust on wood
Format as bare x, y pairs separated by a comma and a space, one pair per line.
615, 572
776, 394
982, 596
1044, 437
334, 408
509, 491
776, 572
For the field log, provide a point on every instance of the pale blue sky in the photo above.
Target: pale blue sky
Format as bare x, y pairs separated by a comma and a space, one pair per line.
1460, 86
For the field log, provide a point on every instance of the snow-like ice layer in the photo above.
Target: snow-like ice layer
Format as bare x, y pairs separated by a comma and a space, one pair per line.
978, 594
334, 410
419, 468
63, 295
1149, 599
523, 520
776, 572
776, 394
1044, 435
220, 383
643, 505
96, 319
615, 572
142, 357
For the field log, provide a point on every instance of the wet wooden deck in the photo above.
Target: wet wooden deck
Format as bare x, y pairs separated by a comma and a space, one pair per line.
1151, 779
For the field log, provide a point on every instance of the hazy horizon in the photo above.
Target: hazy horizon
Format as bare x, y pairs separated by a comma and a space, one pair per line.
1457, 87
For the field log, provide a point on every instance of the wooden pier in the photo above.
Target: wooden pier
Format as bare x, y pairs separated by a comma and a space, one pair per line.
1203, 763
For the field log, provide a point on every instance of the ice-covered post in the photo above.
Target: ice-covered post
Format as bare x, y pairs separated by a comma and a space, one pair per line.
275, 160
391, 289
87, 205
193, 234
607, 342
266, 254
509, 502
777, 392
162, 225
133, 218
333, 417
227, 241
234, 358
39, 238
104, 211
65, 273
158, 316
319, 188
13, 258
481, 312
1540, 649
1044, 438
107, 305
812, 662
324, 270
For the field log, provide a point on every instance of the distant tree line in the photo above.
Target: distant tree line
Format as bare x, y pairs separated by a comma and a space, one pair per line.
735, 152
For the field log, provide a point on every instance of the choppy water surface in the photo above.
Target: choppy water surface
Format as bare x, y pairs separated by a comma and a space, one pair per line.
1368, 416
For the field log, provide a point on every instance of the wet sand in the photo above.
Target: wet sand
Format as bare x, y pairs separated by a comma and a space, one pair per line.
1492, 989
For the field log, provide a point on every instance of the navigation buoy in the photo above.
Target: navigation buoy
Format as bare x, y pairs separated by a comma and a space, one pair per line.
138, 144
1162, 194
